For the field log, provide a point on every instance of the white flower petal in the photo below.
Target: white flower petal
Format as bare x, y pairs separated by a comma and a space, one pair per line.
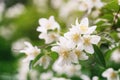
80, 46
41, 29
83, 56
84, 22
107, 72
95, 39
56, 49
43, 35
43, 21
76, 22
52, 19
89, 49
91, 29
28, 44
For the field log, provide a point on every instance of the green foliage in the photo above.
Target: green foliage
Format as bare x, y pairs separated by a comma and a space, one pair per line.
25, 26
99, 56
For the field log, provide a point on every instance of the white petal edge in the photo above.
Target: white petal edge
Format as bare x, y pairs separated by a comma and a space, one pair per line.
95, 39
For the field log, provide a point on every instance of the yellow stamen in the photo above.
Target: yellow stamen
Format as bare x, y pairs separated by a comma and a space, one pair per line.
78, 53
83, 28
75, 37
113, 75
48, 26
65, 53
87, 41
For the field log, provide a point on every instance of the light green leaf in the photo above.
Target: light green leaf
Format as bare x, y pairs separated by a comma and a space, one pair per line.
32, 62
112, 6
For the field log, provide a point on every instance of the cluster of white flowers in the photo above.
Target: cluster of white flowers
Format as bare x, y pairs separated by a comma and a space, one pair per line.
73, 46
76, 5
69, 70
75, 43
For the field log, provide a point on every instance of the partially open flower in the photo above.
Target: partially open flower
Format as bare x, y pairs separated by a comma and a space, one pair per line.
30, 51
83, 26
47, 24
110, 74
88, 41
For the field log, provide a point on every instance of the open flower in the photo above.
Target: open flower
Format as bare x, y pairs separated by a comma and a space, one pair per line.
63, 48
110, 74
83, 26
30, 51
88, 41
74, 35
116, 55
47, 24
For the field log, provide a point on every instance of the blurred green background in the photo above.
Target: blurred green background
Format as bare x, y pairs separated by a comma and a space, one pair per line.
18, 23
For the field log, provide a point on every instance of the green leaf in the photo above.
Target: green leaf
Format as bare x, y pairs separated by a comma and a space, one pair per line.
99, 56
112, 6
54, 55
32, 62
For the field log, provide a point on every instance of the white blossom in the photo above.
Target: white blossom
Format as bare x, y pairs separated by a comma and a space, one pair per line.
30, 51
74, 35
88, 41
115, 56
95, 13
18, 45
72, 70
110, 74
64, 48
83, 26
84, 77
69, 70
47, 24
57, 68
23, 70
33, 75
95, 78
46, 75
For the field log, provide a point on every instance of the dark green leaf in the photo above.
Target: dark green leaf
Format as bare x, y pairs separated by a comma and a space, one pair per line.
30, 64
99, 56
